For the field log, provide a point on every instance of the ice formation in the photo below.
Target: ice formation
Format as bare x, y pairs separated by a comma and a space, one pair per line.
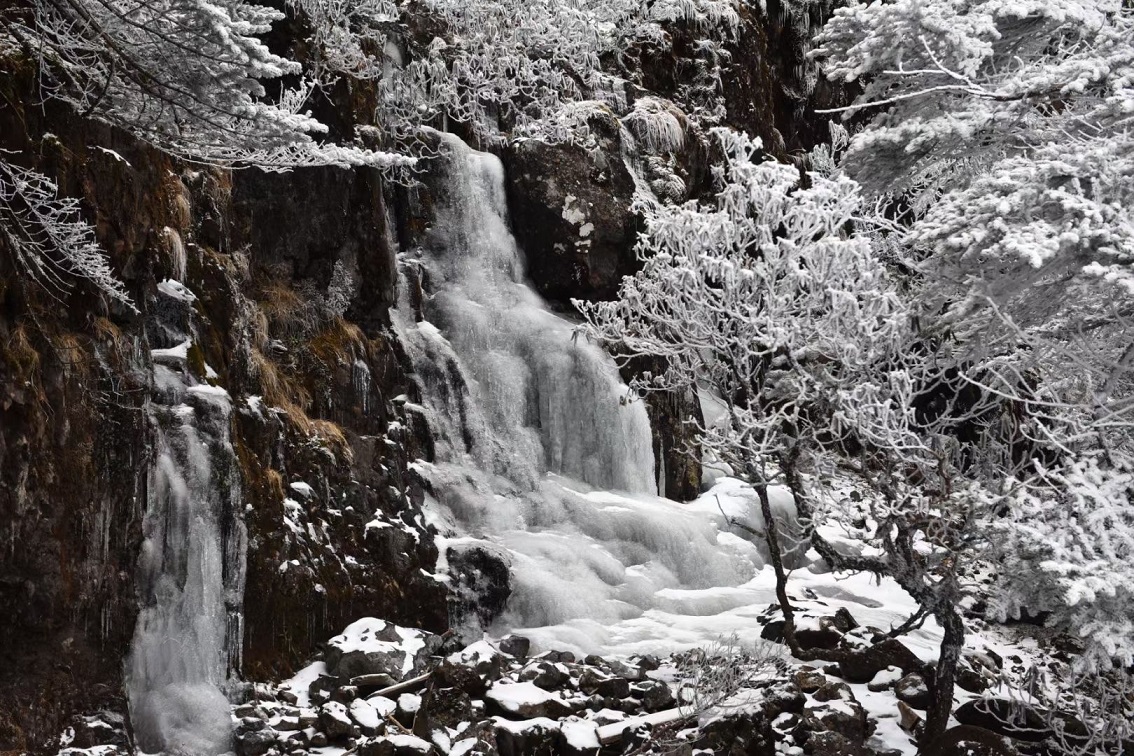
190, 575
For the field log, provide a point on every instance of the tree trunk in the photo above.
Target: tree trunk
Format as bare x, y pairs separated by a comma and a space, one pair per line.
944, 677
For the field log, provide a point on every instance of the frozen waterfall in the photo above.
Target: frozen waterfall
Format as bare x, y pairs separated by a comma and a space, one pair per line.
541, 401
541, 455
190, 575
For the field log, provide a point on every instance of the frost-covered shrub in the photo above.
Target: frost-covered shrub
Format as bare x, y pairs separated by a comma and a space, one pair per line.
657, 125
508, 68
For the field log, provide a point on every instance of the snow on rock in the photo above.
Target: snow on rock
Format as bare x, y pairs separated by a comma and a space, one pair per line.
366, 715
527, 700
336, 721
373, 646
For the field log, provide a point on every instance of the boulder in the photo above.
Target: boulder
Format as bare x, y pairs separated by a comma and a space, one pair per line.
861, 665
335, 720
524, 700
967, 740
372, 646
913, 691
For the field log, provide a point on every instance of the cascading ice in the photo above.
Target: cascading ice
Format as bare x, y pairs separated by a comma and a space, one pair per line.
190, 575
542, 401
532, 430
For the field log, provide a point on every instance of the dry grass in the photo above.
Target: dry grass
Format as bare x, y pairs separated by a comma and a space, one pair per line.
289, 313
338, 342
278, 388
285, 393
19, 355
274, 481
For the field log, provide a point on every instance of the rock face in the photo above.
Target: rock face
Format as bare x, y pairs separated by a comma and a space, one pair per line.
571, 213
288, 282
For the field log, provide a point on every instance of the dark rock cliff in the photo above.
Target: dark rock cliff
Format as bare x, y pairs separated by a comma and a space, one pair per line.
313, 378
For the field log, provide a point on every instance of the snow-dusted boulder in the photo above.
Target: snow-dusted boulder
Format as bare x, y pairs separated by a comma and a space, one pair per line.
372, 646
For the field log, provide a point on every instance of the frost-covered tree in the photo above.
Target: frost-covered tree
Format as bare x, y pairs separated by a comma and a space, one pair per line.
187, 76
507, 67
1008, 131
844, 382
777, 299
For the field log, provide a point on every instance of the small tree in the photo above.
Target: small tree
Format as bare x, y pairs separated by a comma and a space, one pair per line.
780, 299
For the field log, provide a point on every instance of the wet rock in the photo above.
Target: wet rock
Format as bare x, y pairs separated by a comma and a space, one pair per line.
614, 687
590, 679
970, 679
655, 695
809, 680
462, 677
832, 743
773, 631
822, 638
515, 645
255, 742
531, 738
369, 720
526, 701
862, 665
571, 212
482, 583
839, 713
545, 675
335, 720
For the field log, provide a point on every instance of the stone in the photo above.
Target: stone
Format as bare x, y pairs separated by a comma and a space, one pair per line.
571, 212
824, 638
913, 691
614, 687
450, 674
545, 675
526, 701
525, 738
841, 716
773, 631
335, 720
256, 742
515, 645
861, 665
373, 646
809, 680
590, 679
655, 695
968, 740
482, 583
